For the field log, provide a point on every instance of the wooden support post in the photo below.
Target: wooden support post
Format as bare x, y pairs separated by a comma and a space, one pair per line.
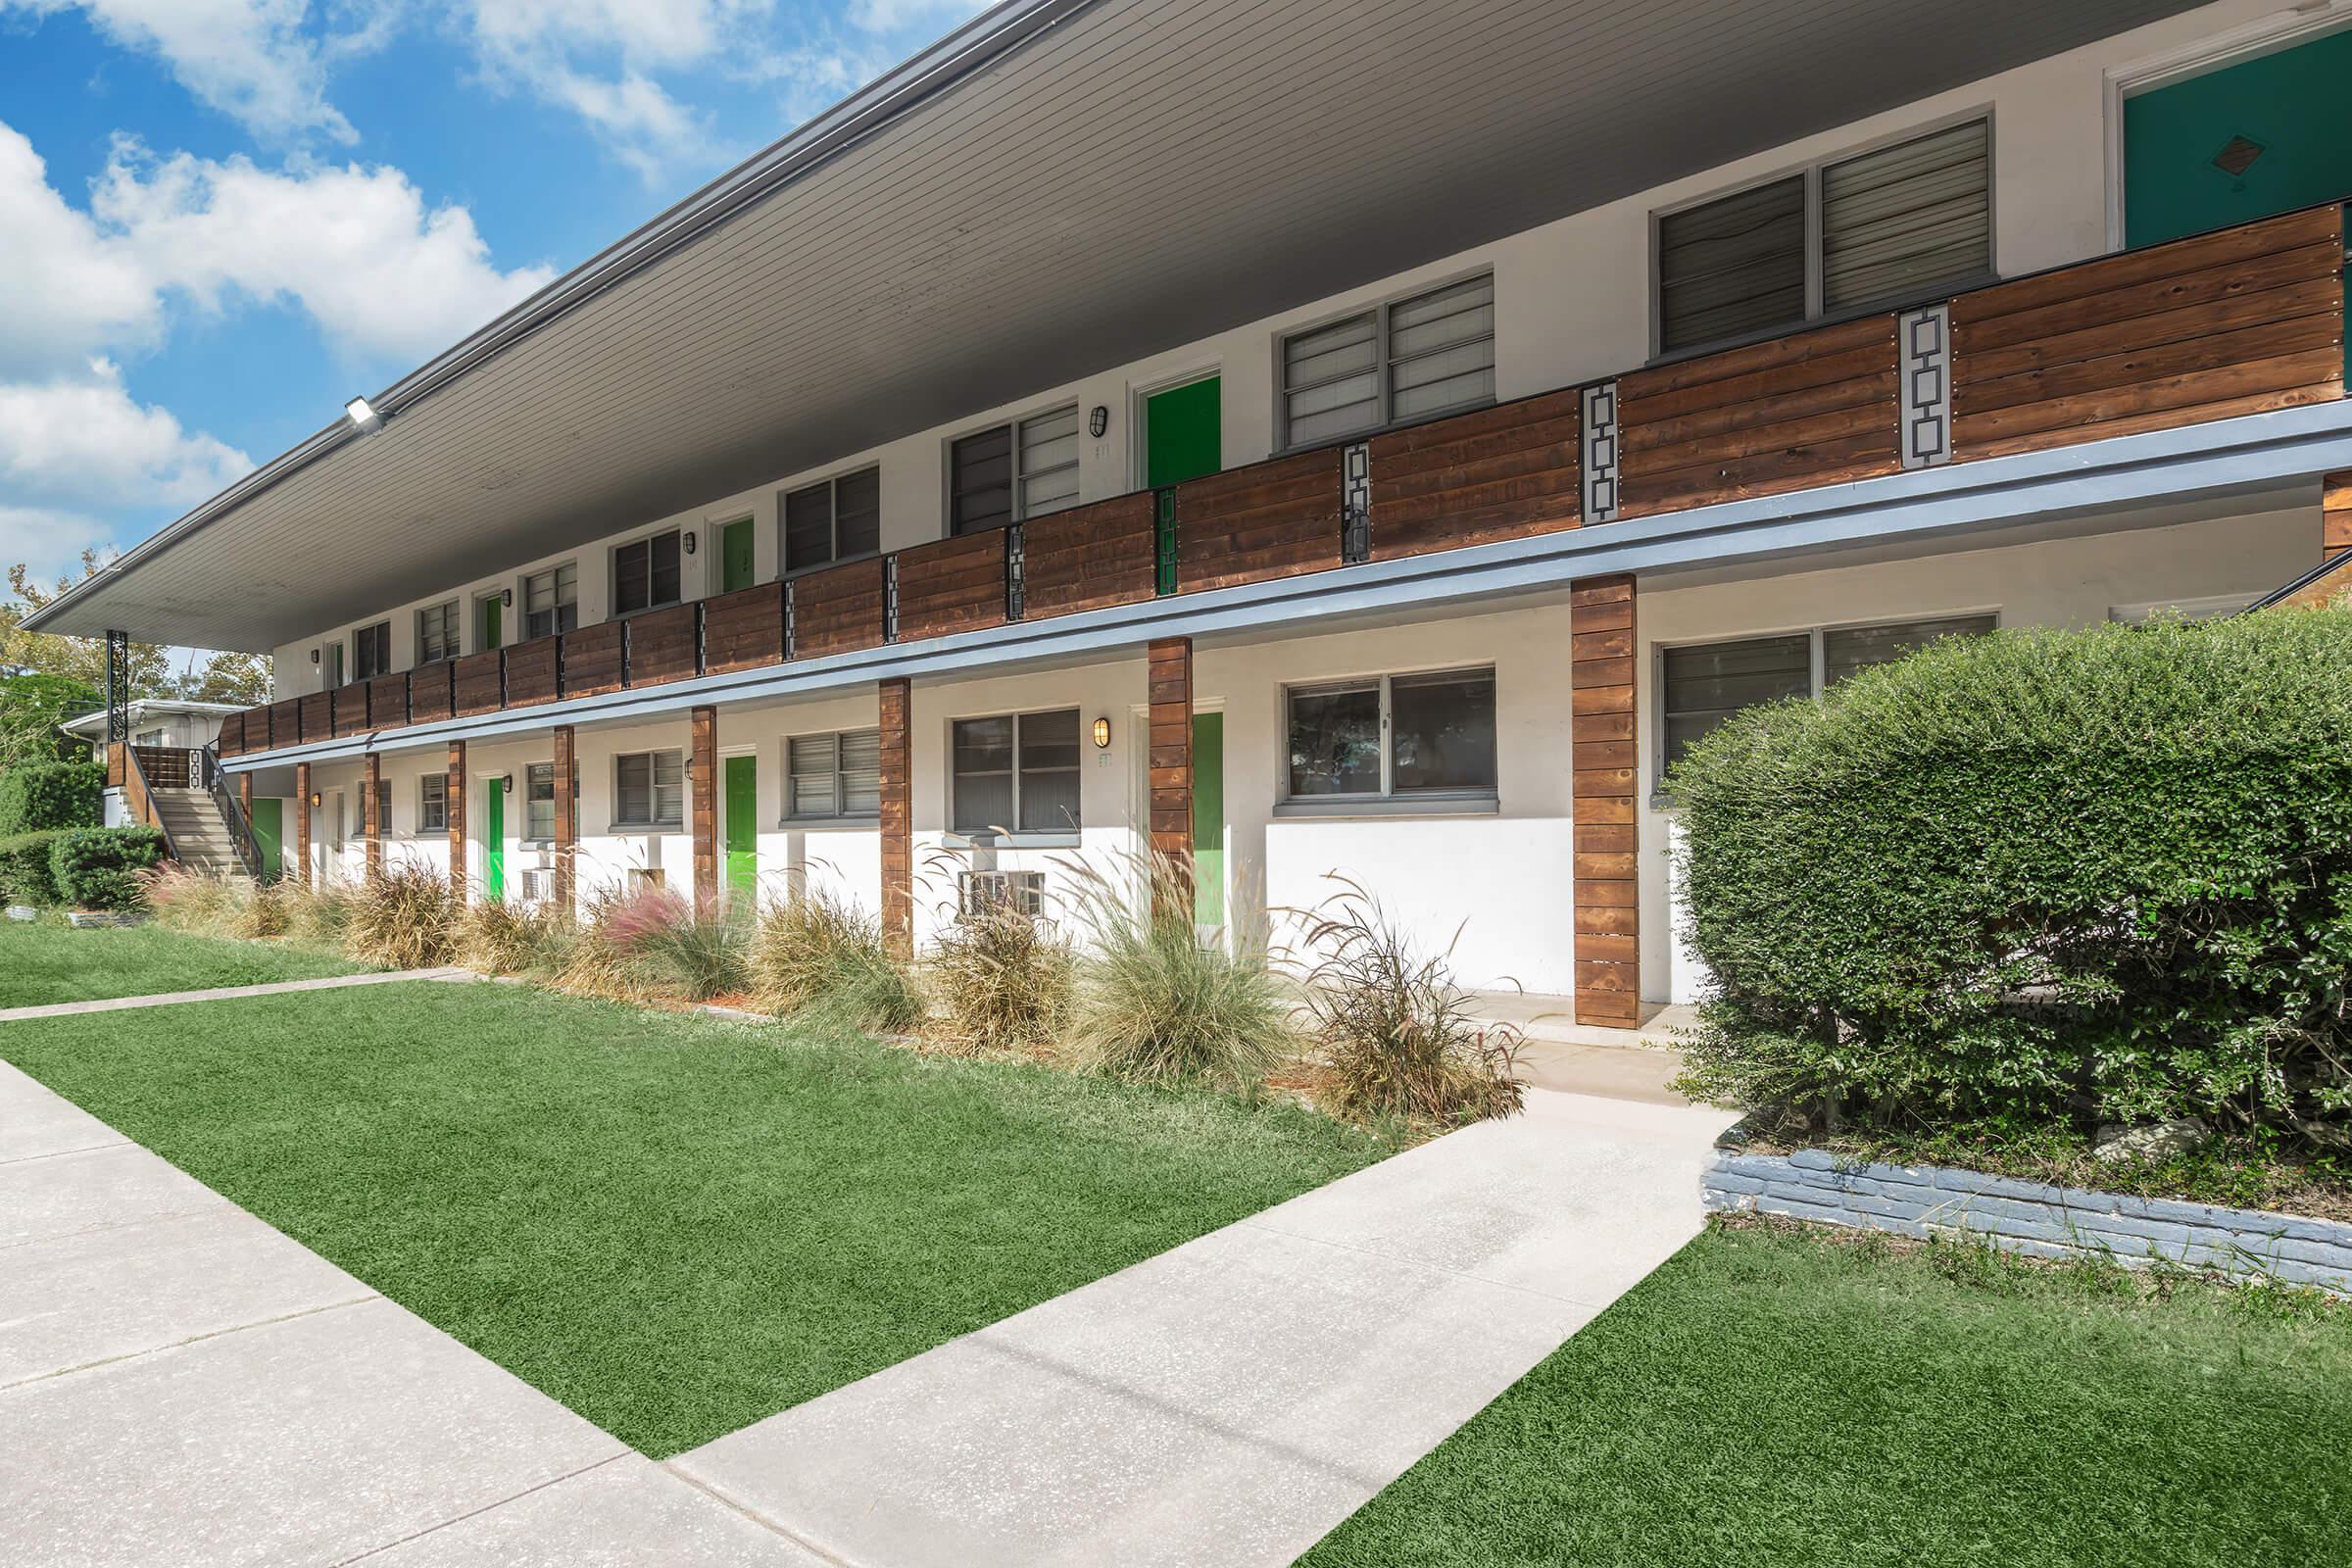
453, 790
702, 779
1169, 673
568, 816
898, 818
302, 823
371, 813
1601, 687
2336, 514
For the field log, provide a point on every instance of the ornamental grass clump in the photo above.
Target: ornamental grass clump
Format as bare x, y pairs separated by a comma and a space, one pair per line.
404, 917
1002, 978
668, 946
1154, 1001
2037, 878
198, 903
1394, 1031
817, 956
498, 937
316, 914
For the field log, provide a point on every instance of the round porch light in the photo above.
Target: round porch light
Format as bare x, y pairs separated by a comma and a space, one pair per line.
1101, 734
316, 799
1099, 421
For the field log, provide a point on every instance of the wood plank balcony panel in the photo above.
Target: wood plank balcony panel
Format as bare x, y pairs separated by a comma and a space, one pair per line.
1089, 557
531, 672
592, 659
1505, 472
285, 722
837, 611
388, 701
1273, 519
743, 629
663, 647
433, 692
478, 683
951, 585
351, 709
318, 716
1816, 408
2244, 320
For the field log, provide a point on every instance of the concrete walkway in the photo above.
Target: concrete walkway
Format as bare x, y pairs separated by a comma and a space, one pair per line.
165, 999
181, 1384
1230, 1401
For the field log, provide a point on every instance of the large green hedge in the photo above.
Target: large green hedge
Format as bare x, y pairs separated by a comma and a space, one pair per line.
45, 795
31, 707
2047, 877
25, 874
97, 867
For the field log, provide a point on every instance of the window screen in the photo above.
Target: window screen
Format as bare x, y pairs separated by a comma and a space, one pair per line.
1848, 649
645, 574
1733, 266
1442, 732
437, 633
834, 775
1709, 683
833, 520
371, 651
432, 803
1048, 782
1331, 380
1442, 350
539, 802
980, 482
1905, 219
551, 601
650, 789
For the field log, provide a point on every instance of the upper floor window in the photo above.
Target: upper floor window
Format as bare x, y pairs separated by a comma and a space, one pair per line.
649, 790
833, 520
551, 601
1428, 735
1016, 773
645, 574
371, 651
1705, 684
1881, 227
833, 775
437, 633
432, 802
1427, 354
1014, 471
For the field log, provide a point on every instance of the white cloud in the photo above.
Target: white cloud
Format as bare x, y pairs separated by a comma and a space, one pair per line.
49, 541
889, 15
250, 59
82, 442
67, 289
355, 247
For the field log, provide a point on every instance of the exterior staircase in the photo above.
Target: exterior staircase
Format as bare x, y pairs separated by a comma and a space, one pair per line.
199, 836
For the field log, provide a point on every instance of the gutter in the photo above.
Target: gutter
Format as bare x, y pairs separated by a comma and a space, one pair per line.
865, 114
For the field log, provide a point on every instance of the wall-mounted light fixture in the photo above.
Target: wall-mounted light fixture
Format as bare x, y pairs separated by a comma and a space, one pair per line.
690, 541
1101, 734
363, 417
506, 597
313, 655
314, 800
506, 785
1099, 421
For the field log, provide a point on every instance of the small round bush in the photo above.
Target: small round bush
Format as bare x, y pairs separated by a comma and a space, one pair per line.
98, 867
2056, 877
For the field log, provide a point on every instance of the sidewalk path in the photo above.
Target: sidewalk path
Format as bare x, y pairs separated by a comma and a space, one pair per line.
1230, 1401
181, 1384
163, 999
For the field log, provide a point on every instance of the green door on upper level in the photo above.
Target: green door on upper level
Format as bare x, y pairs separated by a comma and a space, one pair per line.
743, 826
493, 629
2260, 137
494, 841
735, 555
1183, 432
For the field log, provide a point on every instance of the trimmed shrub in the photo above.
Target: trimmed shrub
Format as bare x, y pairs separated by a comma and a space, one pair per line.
25, 874
98, 867
51, 795
2037, 877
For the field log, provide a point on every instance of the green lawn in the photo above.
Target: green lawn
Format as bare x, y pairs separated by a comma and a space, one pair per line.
676, 1225
42, 964
1770, 1396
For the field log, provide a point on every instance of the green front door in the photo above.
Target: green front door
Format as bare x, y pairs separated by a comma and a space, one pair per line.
2263, 136
268, 833
1209, 818
735, 557
494, 618
743, 825
494, 842
1182, 438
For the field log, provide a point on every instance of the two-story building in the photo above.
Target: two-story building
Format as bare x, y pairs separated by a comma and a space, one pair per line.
1363, 437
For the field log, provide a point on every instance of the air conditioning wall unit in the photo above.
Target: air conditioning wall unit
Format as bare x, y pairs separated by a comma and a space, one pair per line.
537, 885
979, 893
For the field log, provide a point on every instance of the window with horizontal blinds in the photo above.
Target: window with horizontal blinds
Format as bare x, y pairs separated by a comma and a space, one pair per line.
833, 520
834, 775
1049, 461
1733, 266
980, 481
551, 601
650, 789
1706, 684
1883, 228
1426, 354
1845, 650
432, 802
1905, 219
1015, 772
646, 574
539, 802
437, 633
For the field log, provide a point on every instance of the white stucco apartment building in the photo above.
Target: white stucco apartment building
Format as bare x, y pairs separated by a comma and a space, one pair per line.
1364, 438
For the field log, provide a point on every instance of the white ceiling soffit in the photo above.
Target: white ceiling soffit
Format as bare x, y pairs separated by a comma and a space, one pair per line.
1104, 180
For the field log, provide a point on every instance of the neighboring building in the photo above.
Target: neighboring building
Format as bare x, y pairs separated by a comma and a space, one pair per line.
159, 722
1373, 439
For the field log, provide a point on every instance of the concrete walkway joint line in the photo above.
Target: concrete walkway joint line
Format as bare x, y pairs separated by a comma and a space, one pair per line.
165, 999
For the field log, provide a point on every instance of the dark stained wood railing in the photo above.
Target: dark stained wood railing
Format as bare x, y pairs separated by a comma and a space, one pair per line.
2242, 320
166, 766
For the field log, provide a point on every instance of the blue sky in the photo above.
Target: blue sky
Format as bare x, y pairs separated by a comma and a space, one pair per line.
222, 219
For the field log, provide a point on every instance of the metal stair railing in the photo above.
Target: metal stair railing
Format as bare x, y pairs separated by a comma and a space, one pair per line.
233, 812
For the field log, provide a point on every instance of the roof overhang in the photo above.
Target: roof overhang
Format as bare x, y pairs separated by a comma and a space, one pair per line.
1059, 186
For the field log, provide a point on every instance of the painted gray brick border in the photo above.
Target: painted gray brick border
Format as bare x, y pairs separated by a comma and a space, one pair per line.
2031, 1217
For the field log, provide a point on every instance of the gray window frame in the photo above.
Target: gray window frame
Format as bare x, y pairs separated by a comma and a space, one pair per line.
433, 810
1015, 479
522, 630
612, 570
793, 816
1013, 833
831, 486
1388, 797
453, 630
656, 823
1811, 172
1380, 310
531, 772
379, 633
